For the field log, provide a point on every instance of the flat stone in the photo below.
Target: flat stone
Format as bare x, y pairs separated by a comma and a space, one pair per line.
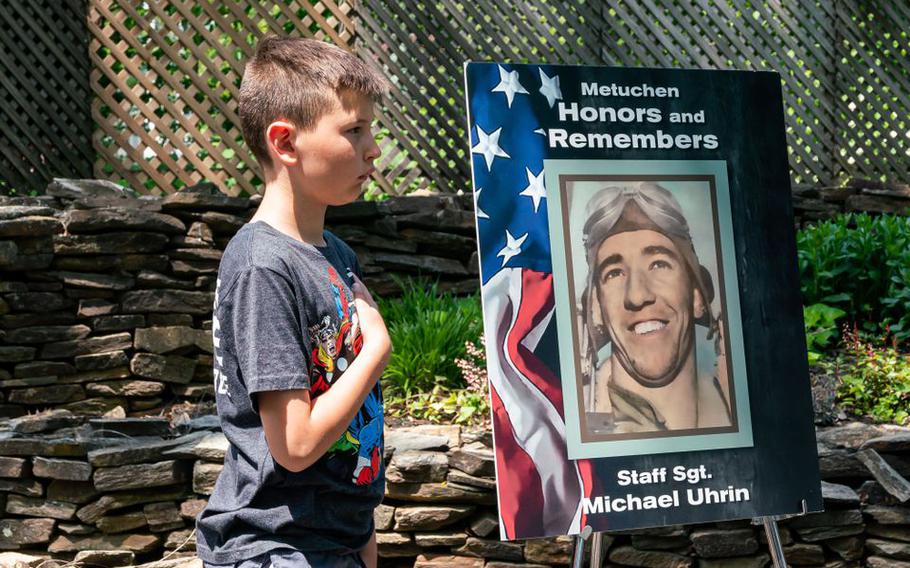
839, 464
44, 422
831, 518
802, 554
759, 561
76, 528
139, 476
45, 334
431, 539
109, 243
112, 262
212, 447
185, 540
168, 301
440, 243
848, 548
105, 558
47, 395
118, 219
713, 543
121, 523
876, 204
8, 252
101, 361
20, 560
191, 508
92, 307
438, 492
899, 550
95, 376
8, 212
110, 407
889, 515
491, 549
851, 436
204, 477
100, 344
162, 516
890, 532
191, 268
417, 466
152, 279
447, 561
137, 543
118, 323
881, 562
168, 368
886, 475
13, 467
189, 201
674, 543
78, 492
395, 545
125, 388
94, 281
15, 354
162, 340
484, 524
428, 518
42, 369
384, 517
477, 461
16, 532
462, 478
54, 468
27, 487
53, 447
30, 507
839, 495
166, 320
629, 556
892, 442
30, 226
139, 451
816, 534
420, 263
107, 503
399, 440
78, 188
556, 550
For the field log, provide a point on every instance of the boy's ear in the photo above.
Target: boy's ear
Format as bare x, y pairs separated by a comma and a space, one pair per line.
280, 137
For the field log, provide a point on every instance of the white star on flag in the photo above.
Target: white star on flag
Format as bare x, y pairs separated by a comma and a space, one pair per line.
549, 87
512, 248
478, 211
535, 189
508, 84
488, 146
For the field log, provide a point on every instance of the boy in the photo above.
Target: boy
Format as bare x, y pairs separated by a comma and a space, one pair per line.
299, 343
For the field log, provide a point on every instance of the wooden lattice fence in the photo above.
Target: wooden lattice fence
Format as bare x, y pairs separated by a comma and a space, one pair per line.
165, 75
45, 126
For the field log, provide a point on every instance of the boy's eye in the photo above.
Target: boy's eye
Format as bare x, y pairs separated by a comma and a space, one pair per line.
355, 130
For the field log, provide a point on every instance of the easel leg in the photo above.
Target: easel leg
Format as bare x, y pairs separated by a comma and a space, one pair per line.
597, 550
777, 552
579, 556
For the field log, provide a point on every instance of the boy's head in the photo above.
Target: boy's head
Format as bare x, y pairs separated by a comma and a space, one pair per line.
298, 81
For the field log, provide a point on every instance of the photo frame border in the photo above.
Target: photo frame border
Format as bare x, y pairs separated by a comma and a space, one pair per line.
646, 443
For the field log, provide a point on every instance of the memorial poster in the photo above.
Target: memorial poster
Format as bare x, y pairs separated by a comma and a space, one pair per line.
642, 316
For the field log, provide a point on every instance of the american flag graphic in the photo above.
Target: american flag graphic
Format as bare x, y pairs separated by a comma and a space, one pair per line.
539, 488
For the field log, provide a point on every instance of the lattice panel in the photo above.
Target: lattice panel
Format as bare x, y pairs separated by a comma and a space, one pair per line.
873, 107
421, 46
166, 76
45, 128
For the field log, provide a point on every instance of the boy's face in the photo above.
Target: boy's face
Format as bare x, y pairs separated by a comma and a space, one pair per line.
336, 155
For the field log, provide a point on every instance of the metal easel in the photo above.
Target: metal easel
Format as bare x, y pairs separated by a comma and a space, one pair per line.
771, 531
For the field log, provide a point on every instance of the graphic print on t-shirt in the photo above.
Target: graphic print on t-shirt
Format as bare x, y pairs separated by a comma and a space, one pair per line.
336, 341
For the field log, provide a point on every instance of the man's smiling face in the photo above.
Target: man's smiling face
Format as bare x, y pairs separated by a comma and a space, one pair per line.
648, 303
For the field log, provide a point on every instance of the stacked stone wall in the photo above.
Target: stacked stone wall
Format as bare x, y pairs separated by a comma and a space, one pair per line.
107, 442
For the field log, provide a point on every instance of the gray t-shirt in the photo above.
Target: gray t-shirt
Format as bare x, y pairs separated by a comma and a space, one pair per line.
284, 319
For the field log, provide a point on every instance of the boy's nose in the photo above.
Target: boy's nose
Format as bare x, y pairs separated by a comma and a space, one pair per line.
373, 150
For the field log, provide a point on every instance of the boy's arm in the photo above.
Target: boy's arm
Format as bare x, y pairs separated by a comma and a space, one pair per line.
298, 429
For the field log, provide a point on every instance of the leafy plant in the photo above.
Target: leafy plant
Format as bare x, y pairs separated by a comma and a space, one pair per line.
429, 329
874, 380
860, 264
821, 328
441, 405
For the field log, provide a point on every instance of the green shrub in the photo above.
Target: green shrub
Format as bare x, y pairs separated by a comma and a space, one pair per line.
874, 380
821, 328
441, 406
429, 329
860, 264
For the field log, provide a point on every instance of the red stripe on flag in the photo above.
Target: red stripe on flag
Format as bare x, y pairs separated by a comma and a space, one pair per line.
517, 481
536, 302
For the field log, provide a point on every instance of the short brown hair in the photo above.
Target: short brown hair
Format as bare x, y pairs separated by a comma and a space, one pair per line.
294, 79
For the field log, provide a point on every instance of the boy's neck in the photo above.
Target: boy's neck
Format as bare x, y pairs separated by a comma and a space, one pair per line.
291, 212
